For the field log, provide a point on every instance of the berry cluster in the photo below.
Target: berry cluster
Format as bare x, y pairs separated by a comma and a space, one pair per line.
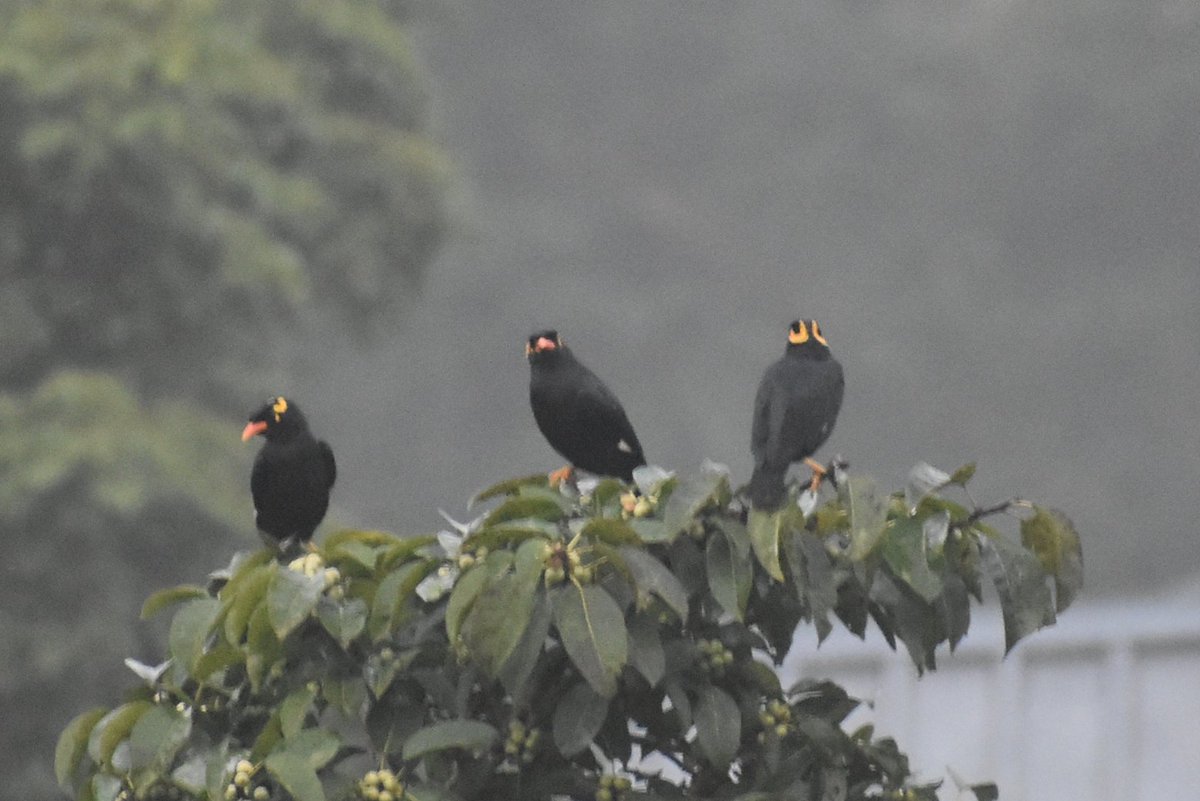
467, 560
716, 656
380, 785
522, 743
311, 564
635, 505
243, 785
775, 717
612, 788
562, 561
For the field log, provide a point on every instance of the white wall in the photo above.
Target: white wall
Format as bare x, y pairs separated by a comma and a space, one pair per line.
1104, 706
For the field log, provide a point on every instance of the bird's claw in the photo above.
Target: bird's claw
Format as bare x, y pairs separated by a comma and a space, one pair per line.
565, 473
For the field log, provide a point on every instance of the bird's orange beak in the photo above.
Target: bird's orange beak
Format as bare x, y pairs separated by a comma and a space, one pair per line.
544, 343
253, 430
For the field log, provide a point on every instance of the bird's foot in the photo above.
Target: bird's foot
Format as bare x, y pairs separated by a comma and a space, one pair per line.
564, 473
819, 471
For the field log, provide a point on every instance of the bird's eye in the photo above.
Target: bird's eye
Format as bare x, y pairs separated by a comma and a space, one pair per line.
798, 333
279, 408
817, 335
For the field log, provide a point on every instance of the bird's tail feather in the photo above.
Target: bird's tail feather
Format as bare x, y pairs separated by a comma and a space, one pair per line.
767, 489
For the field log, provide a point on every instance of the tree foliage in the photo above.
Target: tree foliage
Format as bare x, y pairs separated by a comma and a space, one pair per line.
181, 177
186, 184
613, 644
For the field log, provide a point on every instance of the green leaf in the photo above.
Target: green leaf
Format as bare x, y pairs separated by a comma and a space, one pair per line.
243, 599
344, 619
578, 717
646, 652
592, 629
316, 747
963, 474
509, 487
465, 591
392, 595
496, 621
650, 529
690, 497
765, 529
512, 531
291, 598
337, 540
402, 550
356, 552
518, 669
1020, 582
472, 736
813, 578
169, 597
72, 744
219, 657
729, 577
738, 536
867, 510
190, 629
520, 508
157, 737
1052, 537
296, 776
294, 710
904, 551
611, 531
114, 727
718, 726
652, 576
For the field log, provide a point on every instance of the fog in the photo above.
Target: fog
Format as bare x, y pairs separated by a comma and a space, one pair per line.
991, 208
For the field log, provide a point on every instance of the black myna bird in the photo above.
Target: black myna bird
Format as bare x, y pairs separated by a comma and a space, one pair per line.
292, 474
794, 412
577, 413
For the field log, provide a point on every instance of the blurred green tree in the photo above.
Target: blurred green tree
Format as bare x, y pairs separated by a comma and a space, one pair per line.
186, 184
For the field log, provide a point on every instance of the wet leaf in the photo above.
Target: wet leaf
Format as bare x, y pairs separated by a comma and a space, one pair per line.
868, 515
765, 529
157, 737
472, 736
344, 620
296, 776
291, 598
652, 576
114, 727
904, 551
508, 487
519, 508
923, 479
1021, 585
592, 629
729, 577
190, 629
1052, 537
718, 725
646, 652
578, 718
169, 597
610, 531
72, 745
692, 495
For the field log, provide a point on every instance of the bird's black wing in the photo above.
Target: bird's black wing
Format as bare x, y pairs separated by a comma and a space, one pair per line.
599, 410
328, 461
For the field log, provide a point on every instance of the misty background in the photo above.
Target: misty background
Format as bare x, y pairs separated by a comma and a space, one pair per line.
991, 207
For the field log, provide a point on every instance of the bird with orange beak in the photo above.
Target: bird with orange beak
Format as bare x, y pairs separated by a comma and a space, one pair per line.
292, 475
577, 414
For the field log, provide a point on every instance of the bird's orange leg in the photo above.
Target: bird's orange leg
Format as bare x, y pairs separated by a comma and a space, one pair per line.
564, 473
818, 473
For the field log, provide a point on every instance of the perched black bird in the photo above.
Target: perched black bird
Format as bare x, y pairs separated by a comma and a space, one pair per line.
578, 415
292, 474
794, 412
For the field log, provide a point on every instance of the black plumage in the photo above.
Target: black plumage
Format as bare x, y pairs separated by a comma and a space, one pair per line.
794, 412
579, 416
292, 475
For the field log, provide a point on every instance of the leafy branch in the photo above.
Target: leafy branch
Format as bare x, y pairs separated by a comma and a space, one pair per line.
567, 642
